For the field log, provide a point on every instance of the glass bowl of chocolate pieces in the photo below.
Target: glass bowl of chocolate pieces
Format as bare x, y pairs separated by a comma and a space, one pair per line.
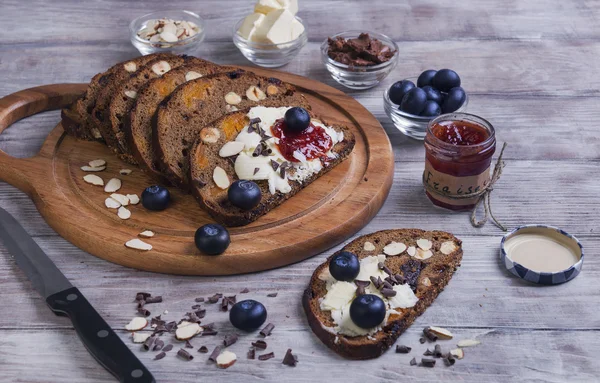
359, 60
176, 32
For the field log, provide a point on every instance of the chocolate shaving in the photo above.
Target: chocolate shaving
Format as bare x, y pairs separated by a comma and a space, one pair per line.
214, 354
428, 353
245, 291
376, 281
143, 311
267, 330
413, 362
427, 362
255, 121
401, 349
251, 353
208, 331
449, 360
171, 326
156, 299
215, 298
256, 170
209, 325
401, 280
290, 359
148, 342
188, 344
274, 165
199, 300
272, 295
391, 280
388, 293
157, 321
168, 348
158, 345
224, 304
258, 150
160, 329
387, 285
422, 340
184, 354
429, 335
230, 339
360, 286
200, 313
203, 349
266, 356
380, 265
160, 355
260, 344
387, 271
142, 296
437, 351
140, 304
193, 317
195, 307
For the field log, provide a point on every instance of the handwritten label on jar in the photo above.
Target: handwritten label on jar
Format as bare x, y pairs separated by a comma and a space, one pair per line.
454, 186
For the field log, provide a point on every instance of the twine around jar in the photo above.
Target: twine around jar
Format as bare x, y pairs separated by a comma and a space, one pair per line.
483, 194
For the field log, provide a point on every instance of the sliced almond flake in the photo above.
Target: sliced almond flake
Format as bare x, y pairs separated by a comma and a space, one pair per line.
191, 75
92, 169
411, 251
187, 330
123, 200
112, 203
226, 359
124, 213
220, 177
131, 94
138, 244
125, 172
441, 333
133, 199
394, 248
97, 163
231, 148
146, 234
448, 247
93, 179
468, 343
458, 353
112, 185
140, 337
136, 324
423, 254
424, 244
368, 246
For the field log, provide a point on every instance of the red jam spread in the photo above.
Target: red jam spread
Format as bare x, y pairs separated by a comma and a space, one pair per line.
313, 142
462, 133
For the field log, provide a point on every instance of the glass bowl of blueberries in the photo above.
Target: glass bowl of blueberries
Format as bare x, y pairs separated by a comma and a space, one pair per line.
411, 106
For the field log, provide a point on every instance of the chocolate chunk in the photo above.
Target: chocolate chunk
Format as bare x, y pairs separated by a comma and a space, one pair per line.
143, 311
168, 348
361, 51
208, 331
401, 349
232, 300
260, 344
427, 362
195, 307
215, 298
160, 355
188, 344
171, 326
251, 353
437, 351
149, 342
214, 354
199, 300
388, 293
157, 321
290, 359
200, 313
140, 304
224, 304
230, 339
210, 325
272, 295
245, 291
422, 340
411, 271
142, 296
428, 353
192, 317
266, 356
449, 360
158, 345
160, 329
203, 349
413, 362
429, 335
267, 330
156, 299
274, 165
184, 354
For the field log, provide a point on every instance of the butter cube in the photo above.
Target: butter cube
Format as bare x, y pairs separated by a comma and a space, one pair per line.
250, 25
266, 6
278, 27
290, 5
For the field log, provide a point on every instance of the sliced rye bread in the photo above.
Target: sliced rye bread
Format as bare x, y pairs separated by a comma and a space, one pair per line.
76, 119
197, 103
138, 125
205, 158
428, 276
99, 114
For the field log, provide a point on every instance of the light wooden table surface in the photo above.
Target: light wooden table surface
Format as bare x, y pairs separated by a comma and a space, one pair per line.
531, 68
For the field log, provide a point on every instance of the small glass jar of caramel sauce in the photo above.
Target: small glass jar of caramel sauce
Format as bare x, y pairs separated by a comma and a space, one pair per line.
458, 152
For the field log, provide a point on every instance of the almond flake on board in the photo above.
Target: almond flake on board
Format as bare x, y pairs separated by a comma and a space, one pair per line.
92, 169
394, 248
220, 177
112, 185
97, 163
123, 200
468, 343
146, 234
187, 330
133, 199
140, 337
424, 244
136, 324
93, 179
441, 333
138, 244
226, 359
458, 353
124, 213
112, 203
368, 246
125, 172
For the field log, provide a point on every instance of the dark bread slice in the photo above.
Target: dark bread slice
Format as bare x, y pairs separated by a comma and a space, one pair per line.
126, 93
138, 125
438, 270
99, 114
197, 103
205, 157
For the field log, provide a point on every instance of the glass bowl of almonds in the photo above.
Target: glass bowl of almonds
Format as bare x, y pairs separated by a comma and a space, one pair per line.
167, 31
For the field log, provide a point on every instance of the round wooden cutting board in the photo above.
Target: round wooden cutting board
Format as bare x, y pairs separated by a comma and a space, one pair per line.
322, 215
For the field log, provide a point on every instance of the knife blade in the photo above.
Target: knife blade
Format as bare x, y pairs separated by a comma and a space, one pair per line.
65, 299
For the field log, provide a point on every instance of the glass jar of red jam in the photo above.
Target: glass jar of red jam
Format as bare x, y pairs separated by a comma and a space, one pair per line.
458, 152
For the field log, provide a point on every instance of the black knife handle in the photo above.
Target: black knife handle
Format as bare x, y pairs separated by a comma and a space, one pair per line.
97, 336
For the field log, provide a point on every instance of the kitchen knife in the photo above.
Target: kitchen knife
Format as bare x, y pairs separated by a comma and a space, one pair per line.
65, 299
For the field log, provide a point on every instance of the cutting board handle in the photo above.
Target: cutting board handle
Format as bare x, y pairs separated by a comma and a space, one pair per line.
20, 171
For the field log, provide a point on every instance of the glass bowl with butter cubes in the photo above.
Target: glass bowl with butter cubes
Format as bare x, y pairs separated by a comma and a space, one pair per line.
271, 36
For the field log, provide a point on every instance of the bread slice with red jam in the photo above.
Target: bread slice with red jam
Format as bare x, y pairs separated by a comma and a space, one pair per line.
406, 268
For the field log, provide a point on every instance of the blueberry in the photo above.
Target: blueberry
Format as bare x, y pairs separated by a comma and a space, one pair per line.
426, 77
446, 79
248, 315
344, 266
212, 239
156, 198
367, 311
244, 194
454, 100
414, 101
433, 94
297, 119
432, 109
399, 89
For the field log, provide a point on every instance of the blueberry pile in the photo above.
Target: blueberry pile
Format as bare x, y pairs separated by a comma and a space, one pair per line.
436, 92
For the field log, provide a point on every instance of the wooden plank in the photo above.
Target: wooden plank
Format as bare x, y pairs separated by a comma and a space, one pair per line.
503, 356
425, 20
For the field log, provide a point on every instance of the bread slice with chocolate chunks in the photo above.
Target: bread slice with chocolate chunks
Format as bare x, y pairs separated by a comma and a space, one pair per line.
418, 280
138, 125
215, 163
197, 103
